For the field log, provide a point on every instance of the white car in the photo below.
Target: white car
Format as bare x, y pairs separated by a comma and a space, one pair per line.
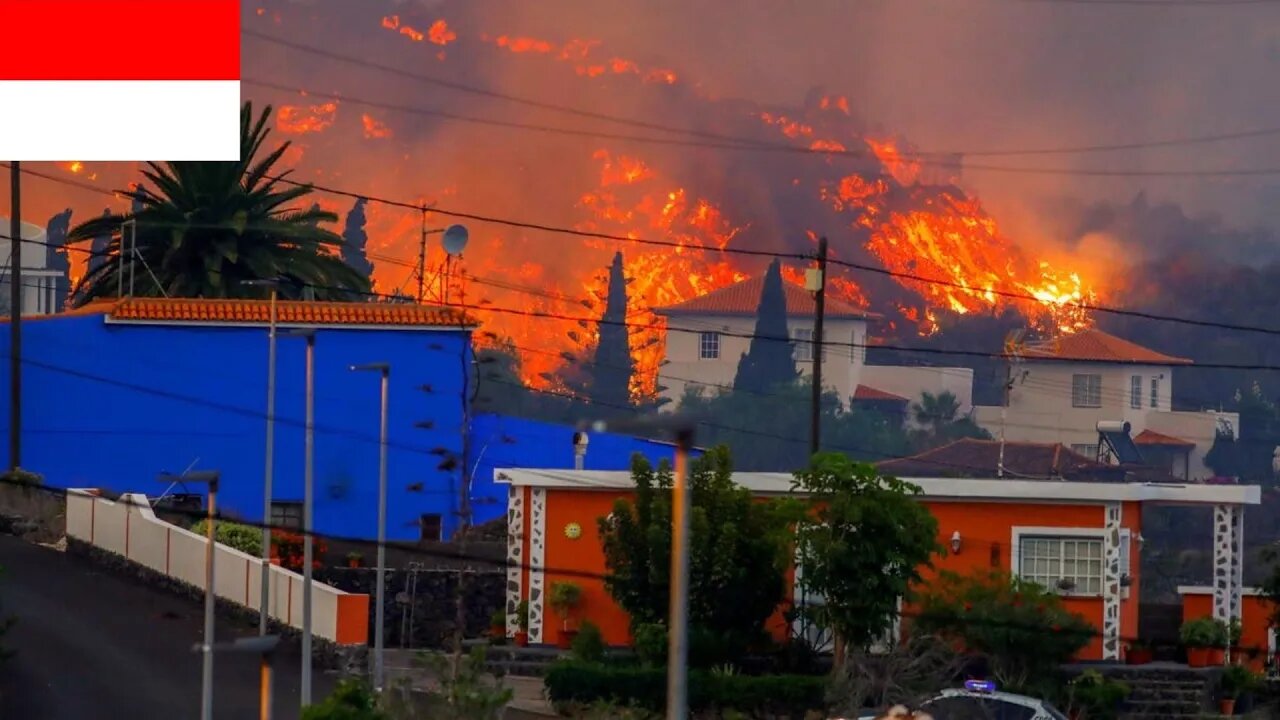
979, 700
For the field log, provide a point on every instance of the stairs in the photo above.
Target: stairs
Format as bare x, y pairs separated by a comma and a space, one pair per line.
1167, 691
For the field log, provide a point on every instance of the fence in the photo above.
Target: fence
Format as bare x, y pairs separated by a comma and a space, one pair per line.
129, 528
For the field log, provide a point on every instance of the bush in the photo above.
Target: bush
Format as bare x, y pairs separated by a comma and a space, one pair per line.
650, 644
18, 476
244, 538
1204, 632
1238, 680
588, 646
574, 682
351, 700
1095, 696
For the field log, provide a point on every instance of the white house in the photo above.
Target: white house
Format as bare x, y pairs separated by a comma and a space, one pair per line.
42, 288
707, 335
1061, 389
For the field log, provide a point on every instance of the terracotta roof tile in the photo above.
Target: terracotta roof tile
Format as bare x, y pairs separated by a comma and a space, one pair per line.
288, 312
743, 298
1151, 437
981, 458
1097, 346
866, 392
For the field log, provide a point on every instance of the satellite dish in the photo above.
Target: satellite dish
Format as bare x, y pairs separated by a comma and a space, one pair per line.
455, 239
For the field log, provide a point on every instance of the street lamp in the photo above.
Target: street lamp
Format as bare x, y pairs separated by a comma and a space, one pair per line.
308, 502
682, 428
264, 646
209, 477
385, 370
264, 612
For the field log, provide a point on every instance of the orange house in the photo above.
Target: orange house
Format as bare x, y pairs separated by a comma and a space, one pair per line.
1083, 538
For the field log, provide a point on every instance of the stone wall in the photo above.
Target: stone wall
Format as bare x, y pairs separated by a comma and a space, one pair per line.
420, 610
33, 512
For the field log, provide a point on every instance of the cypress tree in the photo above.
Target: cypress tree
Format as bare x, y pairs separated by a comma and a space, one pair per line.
98, 248
56, 255
354, 240
768, 361
610, 379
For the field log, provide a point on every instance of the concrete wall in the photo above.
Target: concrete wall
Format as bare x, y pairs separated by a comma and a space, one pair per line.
129, 528
841, 367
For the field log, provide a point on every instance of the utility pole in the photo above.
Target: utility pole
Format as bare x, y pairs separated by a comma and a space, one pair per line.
678, 612
422, 260
1011, 347
15, 316
817, 283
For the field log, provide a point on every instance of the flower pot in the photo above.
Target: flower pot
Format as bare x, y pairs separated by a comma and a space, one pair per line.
1197, 657
1227, 706
522, 638
565, 640
1217, 656
1139, 656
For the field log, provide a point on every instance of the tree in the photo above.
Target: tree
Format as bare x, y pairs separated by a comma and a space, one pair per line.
861, 546
351, 700
610, 373
769, 360
354, 239
56, 255
738, 550
939, 416
203, 227
1022, 629
98, 248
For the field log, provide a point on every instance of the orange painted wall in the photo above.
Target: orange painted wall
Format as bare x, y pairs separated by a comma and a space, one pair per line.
985, 529
1254, 623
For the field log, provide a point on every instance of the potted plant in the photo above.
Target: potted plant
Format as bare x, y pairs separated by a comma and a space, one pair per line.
1205, 639
354, 559
522, 620
1138, 653
498, 624
565, 598
1237, 681
1234, 633
1092, 695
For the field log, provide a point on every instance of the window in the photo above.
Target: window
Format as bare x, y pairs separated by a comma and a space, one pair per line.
432, 525
1086, 391
709, 346
286, 514
1049, 560
1135, 392
1155, 392
804, 344
859, 353
1089, 451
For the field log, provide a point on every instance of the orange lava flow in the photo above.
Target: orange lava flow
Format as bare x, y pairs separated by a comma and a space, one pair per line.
298, 120
373, 128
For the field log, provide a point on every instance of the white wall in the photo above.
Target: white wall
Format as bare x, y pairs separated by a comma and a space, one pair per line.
129, 528
912, 382
841, 366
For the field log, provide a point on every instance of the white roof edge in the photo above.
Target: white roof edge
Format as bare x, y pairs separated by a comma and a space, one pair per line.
1208, 590
957, 488
287, 325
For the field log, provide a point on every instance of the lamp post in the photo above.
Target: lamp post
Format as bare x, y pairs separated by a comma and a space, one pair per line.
209, 477
308, 502
384, 369
264, 646
264, 607
683, 429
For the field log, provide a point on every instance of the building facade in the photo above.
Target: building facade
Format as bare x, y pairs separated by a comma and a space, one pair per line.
1049, 532
706, 337
44, 287
1060, 390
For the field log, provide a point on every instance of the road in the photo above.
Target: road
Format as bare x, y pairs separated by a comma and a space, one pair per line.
91, 644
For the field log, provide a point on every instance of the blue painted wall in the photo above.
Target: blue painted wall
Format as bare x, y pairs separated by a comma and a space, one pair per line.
114, 405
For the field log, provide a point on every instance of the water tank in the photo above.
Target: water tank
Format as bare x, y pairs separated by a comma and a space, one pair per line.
34, 252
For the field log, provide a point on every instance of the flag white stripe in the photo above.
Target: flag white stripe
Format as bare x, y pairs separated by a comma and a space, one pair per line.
116, 120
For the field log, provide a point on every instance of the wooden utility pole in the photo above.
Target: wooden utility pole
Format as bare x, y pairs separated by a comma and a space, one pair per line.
818, 285
15, 317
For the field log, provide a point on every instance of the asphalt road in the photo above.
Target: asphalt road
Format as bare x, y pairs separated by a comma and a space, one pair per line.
90, 644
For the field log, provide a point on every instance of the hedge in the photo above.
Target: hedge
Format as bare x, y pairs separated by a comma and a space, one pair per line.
646, 687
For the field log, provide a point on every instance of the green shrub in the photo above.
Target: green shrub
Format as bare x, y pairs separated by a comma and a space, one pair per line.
244, 538
351, 700
1238, 680
650, 644
1095, 696
588, 646
1204, 632
18, 476
574, 682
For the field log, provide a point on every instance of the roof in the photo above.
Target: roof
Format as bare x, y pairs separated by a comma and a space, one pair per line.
940, 488
1151, 437
199, 311
1094, 345
743, 298
971, 457
866, 392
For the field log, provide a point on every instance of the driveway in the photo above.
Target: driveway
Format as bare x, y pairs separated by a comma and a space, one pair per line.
90, 644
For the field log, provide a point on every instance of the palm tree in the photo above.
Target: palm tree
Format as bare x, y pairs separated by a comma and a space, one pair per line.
203, 228
936, 411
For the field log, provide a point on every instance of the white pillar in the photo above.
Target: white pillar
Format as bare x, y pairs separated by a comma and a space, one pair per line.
1228, 557
1111, 581
515, 556
537, 561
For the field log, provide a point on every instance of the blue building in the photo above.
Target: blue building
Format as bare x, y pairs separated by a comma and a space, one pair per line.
119, 392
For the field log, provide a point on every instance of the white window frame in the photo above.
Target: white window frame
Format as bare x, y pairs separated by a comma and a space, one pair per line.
802, 341
1135, 392
709, 345
1084, 396
1155, 391
1086, 449
1020, 533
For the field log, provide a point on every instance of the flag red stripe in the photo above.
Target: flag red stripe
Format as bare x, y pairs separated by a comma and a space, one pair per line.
120, 40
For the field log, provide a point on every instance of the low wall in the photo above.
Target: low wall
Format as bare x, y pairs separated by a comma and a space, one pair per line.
128, 528
421, 604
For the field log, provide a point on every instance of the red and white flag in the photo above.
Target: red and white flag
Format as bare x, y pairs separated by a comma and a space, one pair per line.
102, 80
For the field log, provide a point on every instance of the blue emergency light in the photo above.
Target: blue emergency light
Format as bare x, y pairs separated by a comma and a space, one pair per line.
983, 686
